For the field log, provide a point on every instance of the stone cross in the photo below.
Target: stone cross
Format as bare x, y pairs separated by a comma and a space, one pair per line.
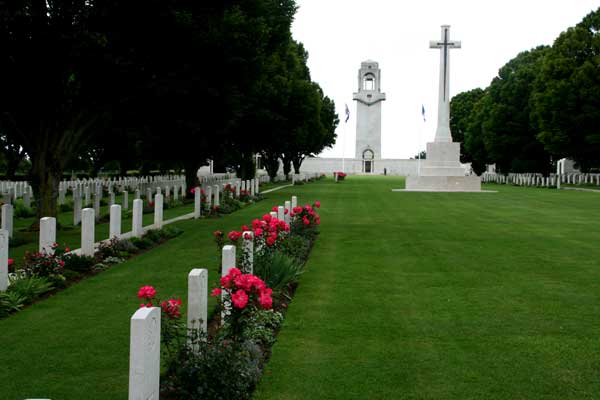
442, 133
144, 354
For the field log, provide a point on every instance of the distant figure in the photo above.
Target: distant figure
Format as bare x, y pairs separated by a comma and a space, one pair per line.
385, 171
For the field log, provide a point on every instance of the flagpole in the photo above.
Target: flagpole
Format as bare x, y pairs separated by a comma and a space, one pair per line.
344, 148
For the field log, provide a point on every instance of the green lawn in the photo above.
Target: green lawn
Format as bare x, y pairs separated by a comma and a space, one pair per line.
445, 296
75, 345
405, 296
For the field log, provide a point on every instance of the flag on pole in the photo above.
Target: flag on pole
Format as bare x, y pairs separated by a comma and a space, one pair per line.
347, 114
423, 112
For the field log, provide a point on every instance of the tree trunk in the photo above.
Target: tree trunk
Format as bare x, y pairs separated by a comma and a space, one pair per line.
45, 177
191, 176
297, 161
287, 166
271, 164
247, 168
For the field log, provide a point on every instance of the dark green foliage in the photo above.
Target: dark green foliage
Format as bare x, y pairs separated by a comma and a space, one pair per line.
277, 270
218, 370
296, 247
10, 302
23, 212
142, 243
78, 263
66, 207
71, 275
21, 238
29, 288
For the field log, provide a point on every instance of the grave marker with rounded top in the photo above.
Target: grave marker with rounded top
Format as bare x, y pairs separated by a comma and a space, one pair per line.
47, 235
7, 218
87, 231
281, 213
294, 202
144, 354
115, 221
197, 310
227, 262
3, 260
137, 221
158, 210
197, 202
217, 200
288, 208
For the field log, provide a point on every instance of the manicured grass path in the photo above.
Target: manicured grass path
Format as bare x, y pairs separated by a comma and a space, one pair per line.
444, 296
75, 345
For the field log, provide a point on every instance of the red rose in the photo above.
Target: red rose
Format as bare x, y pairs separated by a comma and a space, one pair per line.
245, 228
239, 299
270, 241
258, 232
267, 217
11, 261
305, 221
274, 209
146, 292
216, 292
318, 204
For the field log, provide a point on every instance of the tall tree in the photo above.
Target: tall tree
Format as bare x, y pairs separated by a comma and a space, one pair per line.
461, 110
566, 101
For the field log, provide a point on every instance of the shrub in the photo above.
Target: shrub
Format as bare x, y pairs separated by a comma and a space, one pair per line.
115, 248
170, 232
21, 238
142, 243
262, 327
66, 207
43, 264
77, 263
23, 212
296, 247
277, 270
28, 288
217, 370
71, 275
10, 302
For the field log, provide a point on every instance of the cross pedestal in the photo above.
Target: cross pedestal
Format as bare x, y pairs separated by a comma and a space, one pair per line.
441, 170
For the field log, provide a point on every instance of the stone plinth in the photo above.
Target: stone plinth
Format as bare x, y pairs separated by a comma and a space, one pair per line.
470, 183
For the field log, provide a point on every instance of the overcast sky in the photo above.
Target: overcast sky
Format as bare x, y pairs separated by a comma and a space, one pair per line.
339, 34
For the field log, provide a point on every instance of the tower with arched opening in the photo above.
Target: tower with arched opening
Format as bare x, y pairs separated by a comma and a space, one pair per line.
368, 115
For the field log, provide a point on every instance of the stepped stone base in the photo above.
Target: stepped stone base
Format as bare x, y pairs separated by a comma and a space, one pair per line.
470, 183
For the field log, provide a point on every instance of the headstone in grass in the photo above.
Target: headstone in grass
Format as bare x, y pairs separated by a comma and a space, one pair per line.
97, 205
197, 202
27, 198
137, 221
3, 260
217, 200
148, 195
111, 200
158, 210
115, 221
175, 193
86, 194
294, 202
144, 354
137, 194
197, 310
7, 218
47, 235
76, 208
227, 262
125, 200
244, 185
209, 196
281, 213
288, 209
273, 214
87, 231
61, 196
248, 251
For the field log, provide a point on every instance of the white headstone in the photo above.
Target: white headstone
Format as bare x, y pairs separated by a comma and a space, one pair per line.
209, 196
7, 218
257, 187
87, 231
115, 221
217, 200
248, 251
125, 200
294, 202
27, 198
273, 214
97, 197
197, 310
148, 195
197, 203
227, 262
137, 221
158, 210
144, 354
281, 213
76, 208
252, 187
47, 235
288, 208
3, 260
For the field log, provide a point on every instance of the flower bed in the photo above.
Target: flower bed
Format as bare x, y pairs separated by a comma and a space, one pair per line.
339, 176
44, 273
227, 362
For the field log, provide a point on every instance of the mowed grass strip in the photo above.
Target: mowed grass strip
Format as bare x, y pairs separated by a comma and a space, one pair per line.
75, 345
444, 296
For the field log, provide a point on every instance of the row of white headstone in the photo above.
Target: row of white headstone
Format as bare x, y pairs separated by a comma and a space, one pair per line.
144, 344
541, 181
